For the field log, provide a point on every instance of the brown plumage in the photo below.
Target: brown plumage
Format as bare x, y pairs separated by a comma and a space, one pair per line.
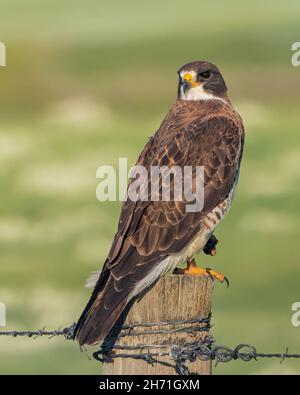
205, 132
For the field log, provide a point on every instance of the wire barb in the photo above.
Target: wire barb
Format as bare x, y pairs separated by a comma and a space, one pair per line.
66, 332
204, 349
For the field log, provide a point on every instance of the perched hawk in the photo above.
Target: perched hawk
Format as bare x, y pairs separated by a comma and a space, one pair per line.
153, 237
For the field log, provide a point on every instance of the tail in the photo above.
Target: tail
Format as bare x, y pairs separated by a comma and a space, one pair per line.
115, 289
100, 315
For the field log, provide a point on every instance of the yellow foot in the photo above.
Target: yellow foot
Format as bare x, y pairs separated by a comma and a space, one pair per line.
193, 269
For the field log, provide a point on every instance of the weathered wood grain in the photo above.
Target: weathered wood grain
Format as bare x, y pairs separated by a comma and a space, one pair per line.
174, 297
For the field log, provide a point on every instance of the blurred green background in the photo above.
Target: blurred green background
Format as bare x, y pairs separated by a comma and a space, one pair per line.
87, 83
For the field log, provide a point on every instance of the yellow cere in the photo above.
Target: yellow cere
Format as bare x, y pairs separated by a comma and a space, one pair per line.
188, 77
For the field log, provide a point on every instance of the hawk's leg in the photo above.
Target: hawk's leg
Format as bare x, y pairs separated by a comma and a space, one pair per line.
210, 247
193, 269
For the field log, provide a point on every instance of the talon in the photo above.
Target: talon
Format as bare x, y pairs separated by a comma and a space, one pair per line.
208, 270
178, 271
213, 252
226, 281
192, 269
218, 276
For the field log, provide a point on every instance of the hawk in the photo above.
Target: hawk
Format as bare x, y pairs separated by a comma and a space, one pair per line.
154, 237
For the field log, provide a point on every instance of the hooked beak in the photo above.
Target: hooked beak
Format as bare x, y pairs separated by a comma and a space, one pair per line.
188, 82
185, 85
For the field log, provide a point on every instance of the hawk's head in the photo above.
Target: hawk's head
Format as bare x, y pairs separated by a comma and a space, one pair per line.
200, 81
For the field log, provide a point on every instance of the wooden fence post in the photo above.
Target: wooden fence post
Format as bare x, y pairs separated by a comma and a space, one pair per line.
174, 297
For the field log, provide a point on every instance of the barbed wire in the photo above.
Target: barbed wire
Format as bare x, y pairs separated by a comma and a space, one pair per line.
204, 349
66, 332
178, 326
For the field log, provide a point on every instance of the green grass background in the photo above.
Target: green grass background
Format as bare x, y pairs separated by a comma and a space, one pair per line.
87, 83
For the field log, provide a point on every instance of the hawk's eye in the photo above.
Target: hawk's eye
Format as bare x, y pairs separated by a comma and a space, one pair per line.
205, 74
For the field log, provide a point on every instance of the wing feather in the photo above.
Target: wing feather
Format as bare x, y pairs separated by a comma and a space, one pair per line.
150, 231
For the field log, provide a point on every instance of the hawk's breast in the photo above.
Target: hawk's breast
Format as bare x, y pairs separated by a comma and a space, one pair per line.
208, 225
